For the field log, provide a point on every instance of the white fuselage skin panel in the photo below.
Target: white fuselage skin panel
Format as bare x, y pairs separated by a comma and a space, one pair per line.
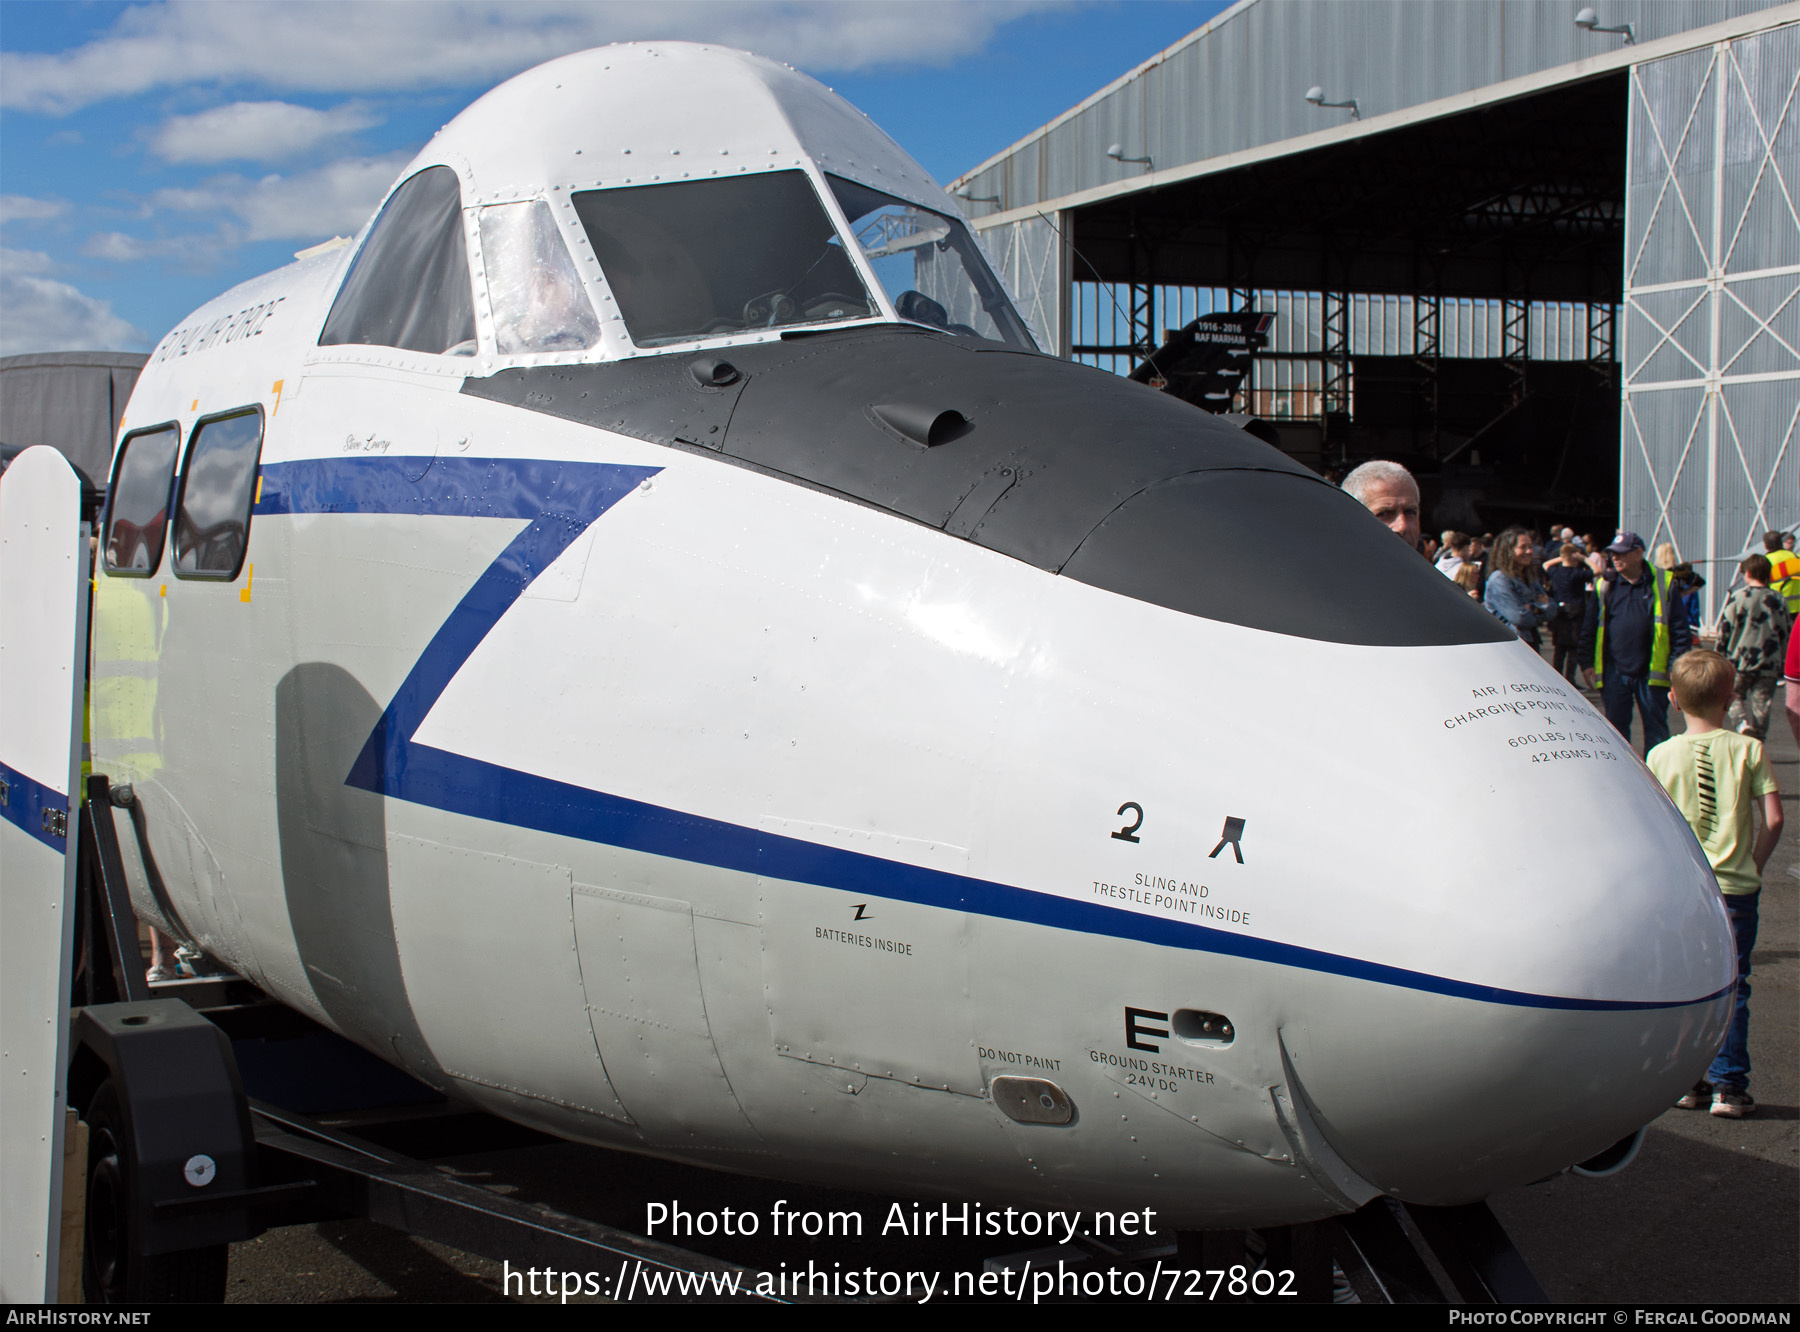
831, 844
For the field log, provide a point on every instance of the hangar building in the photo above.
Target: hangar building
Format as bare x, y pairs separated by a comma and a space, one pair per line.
1547, 254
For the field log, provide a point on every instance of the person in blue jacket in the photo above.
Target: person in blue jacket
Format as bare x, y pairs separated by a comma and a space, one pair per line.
1515, 590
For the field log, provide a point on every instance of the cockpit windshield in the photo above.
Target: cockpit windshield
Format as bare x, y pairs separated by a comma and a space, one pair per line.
706, 258
929, 265
696, 259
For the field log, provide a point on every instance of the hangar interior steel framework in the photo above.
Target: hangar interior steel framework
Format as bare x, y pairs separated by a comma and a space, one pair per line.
1556, 272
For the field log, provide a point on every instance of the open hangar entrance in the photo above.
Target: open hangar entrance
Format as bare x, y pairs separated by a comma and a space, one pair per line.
1446, 295
1476, 214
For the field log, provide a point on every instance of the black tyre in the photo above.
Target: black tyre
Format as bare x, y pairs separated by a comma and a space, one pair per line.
112, 1272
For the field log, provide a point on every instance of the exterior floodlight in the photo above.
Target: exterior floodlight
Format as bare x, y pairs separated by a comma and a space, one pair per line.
1117, 153
977, 198
1589, 20
1316, 95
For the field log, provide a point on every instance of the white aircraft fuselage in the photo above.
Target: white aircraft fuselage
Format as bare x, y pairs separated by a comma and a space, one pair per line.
739, 723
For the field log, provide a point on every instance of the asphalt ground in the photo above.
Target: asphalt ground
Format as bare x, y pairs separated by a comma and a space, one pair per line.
1708, 1213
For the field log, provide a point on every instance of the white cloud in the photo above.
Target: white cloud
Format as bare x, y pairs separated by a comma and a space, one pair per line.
255, 131
38, 314
22, 208
25, 261
116, 247
368, 45
193, 251
335, 199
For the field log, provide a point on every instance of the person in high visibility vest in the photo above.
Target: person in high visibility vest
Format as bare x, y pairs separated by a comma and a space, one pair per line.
1784, 572
1633, 629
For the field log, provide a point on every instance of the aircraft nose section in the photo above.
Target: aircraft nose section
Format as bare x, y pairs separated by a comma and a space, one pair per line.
1566, 974
1467, 1098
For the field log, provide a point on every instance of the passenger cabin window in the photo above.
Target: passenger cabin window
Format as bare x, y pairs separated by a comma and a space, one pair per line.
409, 284
533, 288
696, 259
138, 501
218, 484
930, 265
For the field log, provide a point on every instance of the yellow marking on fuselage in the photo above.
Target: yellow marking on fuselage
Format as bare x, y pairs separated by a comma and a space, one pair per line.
249, 569
276, 390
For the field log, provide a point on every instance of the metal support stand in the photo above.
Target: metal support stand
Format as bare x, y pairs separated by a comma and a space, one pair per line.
1334, 360
1515, 345
1143, 322
1386, 1250
1428, 323
109, 969
1602, 332
1476, 1255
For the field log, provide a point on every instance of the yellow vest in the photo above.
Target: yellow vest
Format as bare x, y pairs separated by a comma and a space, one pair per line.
1786, 578
129, 619
1659, 644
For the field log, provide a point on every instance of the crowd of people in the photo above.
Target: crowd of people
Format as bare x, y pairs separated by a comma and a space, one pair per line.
1630, 628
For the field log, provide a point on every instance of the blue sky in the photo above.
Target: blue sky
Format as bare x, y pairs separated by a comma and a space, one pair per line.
152, 155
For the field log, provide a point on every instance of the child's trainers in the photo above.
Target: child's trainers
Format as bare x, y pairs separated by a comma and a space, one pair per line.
1729, 1104
1697, 1098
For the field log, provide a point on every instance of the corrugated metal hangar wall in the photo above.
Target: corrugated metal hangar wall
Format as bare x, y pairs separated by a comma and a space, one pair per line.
1711, 345
1558, 217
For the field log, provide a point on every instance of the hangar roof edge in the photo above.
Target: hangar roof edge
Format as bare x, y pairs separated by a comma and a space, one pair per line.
1595, 66
1094, 98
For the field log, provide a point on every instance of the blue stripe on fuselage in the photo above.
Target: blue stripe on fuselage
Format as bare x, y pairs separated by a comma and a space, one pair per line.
27, 801
559, 500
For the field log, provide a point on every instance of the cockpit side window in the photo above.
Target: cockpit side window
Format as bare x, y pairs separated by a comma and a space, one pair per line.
533, 289
930, 266
409, 284
138, 500
218, 487
704, 258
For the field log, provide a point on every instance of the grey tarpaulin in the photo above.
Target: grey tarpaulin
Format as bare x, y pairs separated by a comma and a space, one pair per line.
71, 401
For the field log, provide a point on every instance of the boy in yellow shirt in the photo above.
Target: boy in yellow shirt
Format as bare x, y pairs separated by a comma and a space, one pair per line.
1715, 777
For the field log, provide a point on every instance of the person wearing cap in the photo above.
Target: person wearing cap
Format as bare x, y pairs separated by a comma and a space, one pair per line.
1633, 629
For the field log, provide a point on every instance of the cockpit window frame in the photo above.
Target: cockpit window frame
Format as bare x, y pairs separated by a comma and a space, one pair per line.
880, 311
822, 182
432, 363
178, 506
113, 493
616, 342
567, 228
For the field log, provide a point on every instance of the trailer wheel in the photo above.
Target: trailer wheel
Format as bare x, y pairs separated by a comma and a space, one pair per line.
112, 1272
